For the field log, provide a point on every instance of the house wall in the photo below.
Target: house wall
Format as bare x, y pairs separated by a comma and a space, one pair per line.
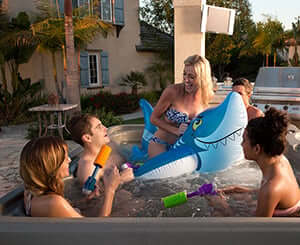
123, 56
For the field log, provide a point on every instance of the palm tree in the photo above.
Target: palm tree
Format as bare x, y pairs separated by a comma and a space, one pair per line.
135, 80
17, 45
4, 23
262, 43
72, 75
51, 31
50, 34
296, 36
269, 37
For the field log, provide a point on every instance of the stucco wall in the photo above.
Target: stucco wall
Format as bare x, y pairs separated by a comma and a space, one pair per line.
123, 56
188, 38
16, 6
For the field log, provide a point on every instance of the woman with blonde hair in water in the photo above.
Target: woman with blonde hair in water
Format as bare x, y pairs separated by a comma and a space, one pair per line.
179, 103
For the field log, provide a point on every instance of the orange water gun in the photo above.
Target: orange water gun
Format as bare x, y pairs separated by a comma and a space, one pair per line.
89, 185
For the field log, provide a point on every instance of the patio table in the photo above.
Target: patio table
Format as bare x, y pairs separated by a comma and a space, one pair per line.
60, 110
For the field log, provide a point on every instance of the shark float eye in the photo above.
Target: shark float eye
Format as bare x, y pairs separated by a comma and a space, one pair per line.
197, 123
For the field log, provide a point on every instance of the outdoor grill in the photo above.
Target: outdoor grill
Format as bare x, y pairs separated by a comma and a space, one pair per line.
278, 87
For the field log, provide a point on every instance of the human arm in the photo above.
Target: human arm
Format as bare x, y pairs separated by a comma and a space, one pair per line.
127, 175
268, 199
164, 102
235, 189
111, 179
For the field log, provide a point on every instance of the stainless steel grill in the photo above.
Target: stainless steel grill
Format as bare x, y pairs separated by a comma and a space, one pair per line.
278, 87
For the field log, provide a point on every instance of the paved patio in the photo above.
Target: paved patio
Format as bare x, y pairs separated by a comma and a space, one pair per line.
12, 140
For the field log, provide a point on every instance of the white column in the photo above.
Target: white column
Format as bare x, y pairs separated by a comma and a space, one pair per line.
188, 38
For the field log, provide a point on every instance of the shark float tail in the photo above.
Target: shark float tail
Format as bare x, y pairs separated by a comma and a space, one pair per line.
137, 153
211, 143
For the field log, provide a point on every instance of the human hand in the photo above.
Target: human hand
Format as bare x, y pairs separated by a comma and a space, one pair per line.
111, 179
96, 192
127, 175
221, 193
182, 128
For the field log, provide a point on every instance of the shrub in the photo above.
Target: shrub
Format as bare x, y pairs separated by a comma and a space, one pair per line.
135, 80
152, 97
119, 104
107, 118
15, 104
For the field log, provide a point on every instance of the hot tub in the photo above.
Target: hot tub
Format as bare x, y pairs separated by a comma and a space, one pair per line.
145, 230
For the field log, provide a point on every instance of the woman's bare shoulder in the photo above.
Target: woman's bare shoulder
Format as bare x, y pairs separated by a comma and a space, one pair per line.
60, 207
173, 90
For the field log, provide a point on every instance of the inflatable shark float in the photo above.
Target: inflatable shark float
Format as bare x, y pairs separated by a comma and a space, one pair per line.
211, 143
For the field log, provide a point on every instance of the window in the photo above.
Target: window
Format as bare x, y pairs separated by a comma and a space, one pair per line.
110, 11
93, 69
106, 13
85, 5
90, 62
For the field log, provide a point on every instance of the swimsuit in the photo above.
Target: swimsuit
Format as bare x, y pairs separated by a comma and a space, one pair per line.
176, 117
160, 141
288, 211
27, 202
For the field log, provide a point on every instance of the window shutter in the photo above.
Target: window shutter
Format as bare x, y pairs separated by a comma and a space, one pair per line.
74, 4
119, 12
104, 68
84, 69
106, 10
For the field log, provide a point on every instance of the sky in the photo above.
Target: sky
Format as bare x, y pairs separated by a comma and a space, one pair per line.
283, 10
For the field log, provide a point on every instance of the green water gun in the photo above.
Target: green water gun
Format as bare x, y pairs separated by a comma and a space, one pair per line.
182, 197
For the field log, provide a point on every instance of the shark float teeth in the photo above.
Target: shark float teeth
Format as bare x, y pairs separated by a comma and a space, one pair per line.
232, 137
224, 141
239, 132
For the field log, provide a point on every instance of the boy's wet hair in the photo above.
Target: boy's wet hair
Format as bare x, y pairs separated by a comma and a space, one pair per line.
243, 82
80, 125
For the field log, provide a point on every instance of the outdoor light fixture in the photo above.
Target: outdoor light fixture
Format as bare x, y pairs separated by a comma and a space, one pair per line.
217, 20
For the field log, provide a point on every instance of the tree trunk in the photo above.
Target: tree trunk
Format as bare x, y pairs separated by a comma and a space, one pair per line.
14, 68
58, 90
3, 73
57, 8
275, 56
134, 90
72, 78
267, 60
